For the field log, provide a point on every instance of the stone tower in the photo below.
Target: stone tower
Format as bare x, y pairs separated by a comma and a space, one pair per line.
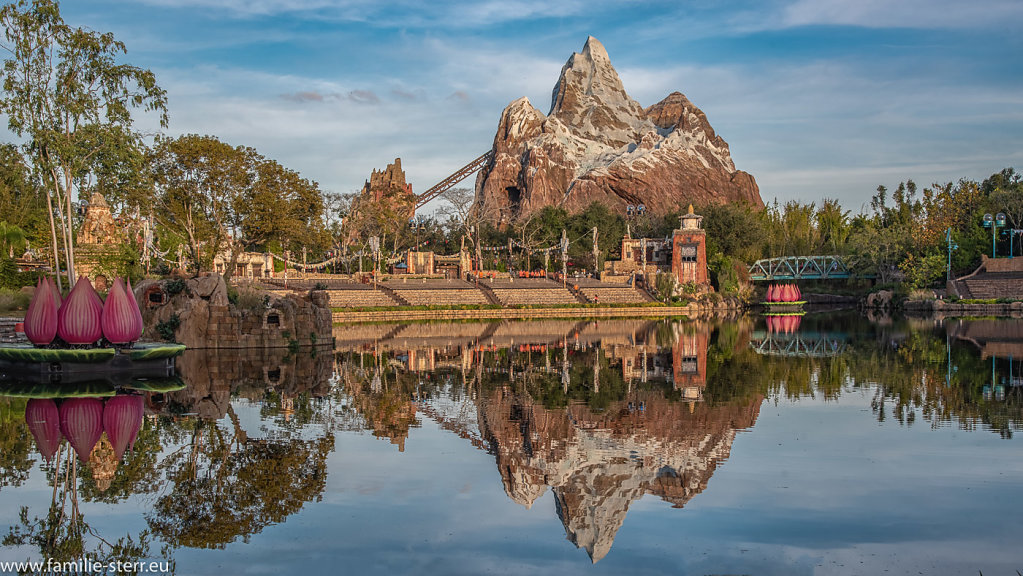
689, 250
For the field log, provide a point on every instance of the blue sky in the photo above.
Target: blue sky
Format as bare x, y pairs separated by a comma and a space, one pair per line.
817, 99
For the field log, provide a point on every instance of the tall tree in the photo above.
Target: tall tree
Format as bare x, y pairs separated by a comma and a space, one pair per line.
60, 85
276, 204
198, 181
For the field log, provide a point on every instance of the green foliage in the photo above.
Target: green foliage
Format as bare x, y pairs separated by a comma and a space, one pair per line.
728, 274
71, 99
122, 261
21, 201
11, 279
249, 298
665, 285
167, 328
174, 286
13, 300
222, 197
15, 443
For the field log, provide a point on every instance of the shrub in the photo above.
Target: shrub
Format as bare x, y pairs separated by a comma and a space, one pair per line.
247, 298
11, 300
174, 287
166, 329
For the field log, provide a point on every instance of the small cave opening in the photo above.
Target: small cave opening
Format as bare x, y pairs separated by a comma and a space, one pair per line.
273, 320
514, 196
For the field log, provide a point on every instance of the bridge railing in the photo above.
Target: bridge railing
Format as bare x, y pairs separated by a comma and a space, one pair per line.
800, 268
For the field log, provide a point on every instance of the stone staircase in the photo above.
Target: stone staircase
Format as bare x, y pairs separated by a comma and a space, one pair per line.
7, 332
992, 285
994, 279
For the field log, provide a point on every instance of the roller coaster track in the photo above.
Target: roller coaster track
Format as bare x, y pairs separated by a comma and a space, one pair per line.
449, 182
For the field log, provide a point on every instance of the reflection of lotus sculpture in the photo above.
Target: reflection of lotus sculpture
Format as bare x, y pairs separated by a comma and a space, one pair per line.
82, 421
783, 324
43, 421
62, 534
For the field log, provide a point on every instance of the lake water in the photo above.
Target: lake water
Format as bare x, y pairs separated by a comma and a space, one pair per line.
830, 444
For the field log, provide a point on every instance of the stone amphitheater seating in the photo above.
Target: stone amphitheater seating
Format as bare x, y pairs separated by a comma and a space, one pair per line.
993, 285
359, 298
526, 296
614, 294
441, 296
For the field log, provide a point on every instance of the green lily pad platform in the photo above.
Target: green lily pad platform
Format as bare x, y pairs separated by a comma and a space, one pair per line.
80, 388
144, 351
24, 361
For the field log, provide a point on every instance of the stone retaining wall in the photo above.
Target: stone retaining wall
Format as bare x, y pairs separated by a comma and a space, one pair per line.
944, 308
692, 310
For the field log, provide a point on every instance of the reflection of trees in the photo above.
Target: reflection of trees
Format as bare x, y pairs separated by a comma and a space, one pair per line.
63, 535
227, 485
905, 362
15, 443
384, 398
136, 474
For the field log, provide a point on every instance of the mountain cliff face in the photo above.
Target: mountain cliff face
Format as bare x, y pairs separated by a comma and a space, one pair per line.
598, 144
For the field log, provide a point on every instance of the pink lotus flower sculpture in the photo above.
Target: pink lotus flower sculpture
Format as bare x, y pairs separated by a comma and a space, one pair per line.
79, 318
122, 418
135, 307
43, 421
81, 422
41, 317
770, 293
121, 320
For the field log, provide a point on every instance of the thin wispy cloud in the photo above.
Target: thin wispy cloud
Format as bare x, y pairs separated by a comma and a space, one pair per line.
903, 14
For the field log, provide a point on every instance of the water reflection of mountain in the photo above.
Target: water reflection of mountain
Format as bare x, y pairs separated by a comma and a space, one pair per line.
599, 463
601, 413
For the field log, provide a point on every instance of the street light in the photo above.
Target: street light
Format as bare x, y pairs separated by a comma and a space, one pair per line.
951, 246
994, 223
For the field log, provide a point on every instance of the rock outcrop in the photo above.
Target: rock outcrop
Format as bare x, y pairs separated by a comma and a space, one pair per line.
386, 192
199, 313
598, 144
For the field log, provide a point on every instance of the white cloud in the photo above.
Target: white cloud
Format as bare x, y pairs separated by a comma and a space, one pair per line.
903, 14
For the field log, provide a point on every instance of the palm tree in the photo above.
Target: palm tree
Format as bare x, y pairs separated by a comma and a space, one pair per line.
12, 239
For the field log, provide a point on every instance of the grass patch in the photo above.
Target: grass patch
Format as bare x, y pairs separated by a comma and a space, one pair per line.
13, 301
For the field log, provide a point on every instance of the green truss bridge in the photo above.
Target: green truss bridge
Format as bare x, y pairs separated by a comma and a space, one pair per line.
800, 268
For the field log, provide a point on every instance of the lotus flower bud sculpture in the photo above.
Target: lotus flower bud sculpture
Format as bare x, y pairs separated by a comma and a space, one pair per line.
121, 321
81, 422
122, 418
79, 318
135, 307
43, 421
41, 317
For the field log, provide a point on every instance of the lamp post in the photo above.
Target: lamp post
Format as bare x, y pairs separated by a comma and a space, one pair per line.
951, 247
994, 223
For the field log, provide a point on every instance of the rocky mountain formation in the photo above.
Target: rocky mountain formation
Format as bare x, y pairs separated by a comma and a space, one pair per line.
598, 144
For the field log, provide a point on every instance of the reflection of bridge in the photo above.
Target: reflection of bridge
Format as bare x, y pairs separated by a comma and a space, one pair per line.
800, 268
449, 182
800, 344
